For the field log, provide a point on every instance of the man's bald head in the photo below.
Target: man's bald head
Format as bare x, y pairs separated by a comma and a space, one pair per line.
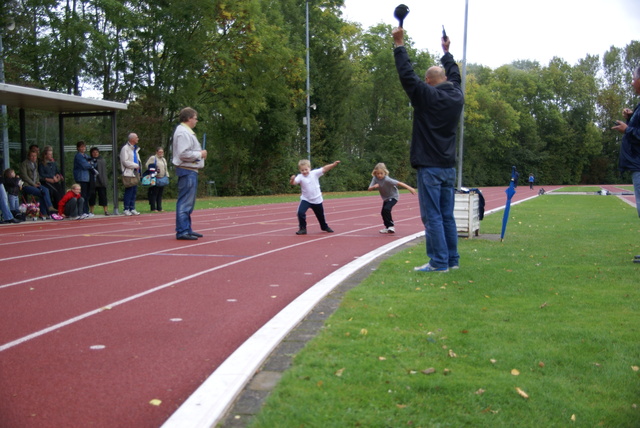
435, 75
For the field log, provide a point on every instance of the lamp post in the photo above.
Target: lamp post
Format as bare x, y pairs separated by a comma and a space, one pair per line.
464, 81
3, 108
308, 117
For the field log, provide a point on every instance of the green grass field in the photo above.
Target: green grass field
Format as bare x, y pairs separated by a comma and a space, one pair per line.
540, 330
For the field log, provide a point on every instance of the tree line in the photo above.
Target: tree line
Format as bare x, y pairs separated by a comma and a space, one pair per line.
241, 65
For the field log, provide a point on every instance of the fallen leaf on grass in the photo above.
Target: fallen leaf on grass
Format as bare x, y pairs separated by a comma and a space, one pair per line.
515, 372
635, 368
364, 332
541, 364
480, 391
339, 372
446, 372
522, 393
428, 371
543, 305
381, 358
493, 360
573, 418
452, 354
401, 406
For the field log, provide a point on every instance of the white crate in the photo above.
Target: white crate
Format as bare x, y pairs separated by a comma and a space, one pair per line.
466, 214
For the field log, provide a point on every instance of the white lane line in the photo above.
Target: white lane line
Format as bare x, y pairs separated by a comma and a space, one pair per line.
137, 256
153, 290
27, 280
209, 403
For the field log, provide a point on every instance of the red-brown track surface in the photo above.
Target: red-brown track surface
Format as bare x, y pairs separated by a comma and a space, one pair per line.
101, 317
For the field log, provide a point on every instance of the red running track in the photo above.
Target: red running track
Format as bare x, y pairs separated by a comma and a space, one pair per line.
111, 322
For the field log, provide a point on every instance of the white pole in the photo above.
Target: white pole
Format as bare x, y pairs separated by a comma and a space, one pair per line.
464, 84
3, 108
308, 91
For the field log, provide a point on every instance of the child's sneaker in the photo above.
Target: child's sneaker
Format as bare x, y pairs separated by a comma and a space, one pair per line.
56, 216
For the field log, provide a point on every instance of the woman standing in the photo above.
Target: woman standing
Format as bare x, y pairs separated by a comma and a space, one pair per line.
162, 179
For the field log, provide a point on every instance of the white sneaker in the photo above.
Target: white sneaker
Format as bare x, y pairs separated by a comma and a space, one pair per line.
392, 229
134, 212
388, 230
421, 267
385, 230
127, 212
90, 215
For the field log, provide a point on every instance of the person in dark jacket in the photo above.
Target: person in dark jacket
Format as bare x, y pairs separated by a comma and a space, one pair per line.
437, 103
630, 148
50, 175
81, 170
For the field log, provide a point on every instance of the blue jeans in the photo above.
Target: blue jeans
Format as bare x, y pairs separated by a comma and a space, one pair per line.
436, 194
129, 198
4, 205
635, 176
42, 193
187, 190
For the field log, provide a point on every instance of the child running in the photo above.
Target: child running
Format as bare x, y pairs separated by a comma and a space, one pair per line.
388, 188
309, 181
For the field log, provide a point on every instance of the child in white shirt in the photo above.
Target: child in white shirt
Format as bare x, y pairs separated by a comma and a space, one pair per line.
311, 197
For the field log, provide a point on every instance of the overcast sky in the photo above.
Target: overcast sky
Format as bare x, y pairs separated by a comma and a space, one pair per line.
502, 31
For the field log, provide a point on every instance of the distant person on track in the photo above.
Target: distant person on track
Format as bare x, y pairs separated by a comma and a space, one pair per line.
515, 176
388, 188
311, 197
531, 180
71, 205
130, 165
188, 157
437, 104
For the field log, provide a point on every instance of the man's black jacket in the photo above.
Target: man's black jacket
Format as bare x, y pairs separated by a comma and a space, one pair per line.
436, 112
